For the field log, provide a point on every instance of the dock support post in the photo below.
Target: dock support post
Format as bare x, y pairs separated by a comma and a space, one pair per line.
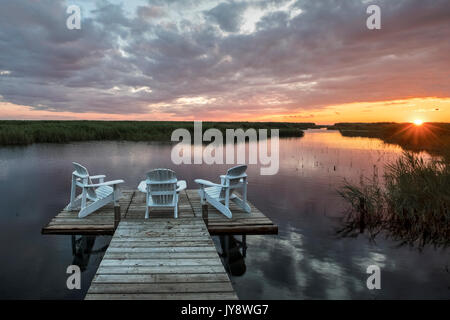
244, 245
116, 216
205, 214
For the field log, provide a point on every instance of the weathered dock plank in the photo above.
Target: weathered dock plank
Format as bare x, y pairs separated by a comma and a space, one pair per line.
162, 278
133, 208
137, 208
164, 296
138, 265
99, 223
241, 222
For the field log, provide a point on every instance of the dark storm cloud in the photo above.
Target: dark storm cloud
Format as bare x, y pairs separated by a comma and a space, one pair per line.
121, 63
228, 15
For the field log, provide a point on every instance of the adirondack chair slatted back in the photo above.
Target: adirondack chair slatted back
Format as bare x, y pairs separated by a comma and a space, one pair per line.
235, 174
83, 174
235, 178
80, 170
161, 186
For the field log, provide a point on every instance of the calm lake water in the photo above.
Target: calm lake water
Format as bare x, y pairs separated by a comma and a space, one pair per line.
306, 260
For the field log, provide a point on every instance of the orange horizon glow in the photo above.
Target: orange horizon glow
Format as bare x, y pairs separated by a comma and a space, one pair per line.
413, 110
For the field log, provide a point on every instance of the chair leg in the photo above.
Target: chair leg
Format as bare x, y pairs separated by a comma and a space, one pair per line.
72, 193
220, 206
244, 205
227, 198
147, 197
202, 196
83, 199
244, 193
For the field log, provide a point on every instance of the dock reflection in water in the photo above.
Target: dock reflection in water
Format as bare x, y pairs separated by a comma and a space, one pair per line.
233, 252
83, 248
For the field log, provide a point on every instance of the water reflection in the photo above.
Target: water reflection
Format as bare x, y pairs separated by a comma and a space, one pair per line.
306, 259
233, 252
83, 248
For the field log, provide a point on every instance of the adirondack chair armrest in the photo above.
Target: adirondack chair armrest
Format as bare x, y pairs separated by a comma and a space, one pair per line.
79, 175
207, 183
108, 183
223, 176
181, 185
100, 176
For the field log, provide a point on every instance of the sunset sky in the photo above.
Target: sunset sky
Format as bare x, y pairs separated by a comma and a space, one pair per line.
261, 60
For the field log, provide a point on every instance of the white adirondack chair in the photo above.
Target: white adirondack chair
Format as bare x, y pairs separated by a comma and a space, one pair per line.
219, 195
162, 189
93, 195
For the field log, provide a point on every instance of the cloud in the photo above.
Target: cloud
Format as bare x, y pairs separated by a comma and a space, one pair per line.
228, 15
165, 56
150, 12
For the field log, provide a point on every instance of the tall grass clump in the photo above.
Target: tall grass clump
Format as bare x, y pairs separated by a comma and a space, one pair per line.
412, 204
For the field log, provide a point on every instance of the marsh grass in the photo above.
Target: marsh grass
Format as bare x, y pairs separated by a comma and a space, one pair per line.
412, 204
432, 137
28, 132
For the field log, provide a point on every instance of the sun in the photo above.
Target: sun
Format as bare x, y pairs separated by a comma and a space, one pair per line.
418, 122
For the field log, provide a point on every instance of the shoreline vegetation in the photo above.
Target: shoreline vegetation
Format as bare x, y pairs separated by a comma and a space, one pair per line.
411, 205
25, 132
433, 138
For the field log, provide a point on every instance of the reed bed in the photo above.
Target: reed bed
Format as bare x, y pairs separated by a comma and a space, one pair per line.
28, 132
411, 205
432, 137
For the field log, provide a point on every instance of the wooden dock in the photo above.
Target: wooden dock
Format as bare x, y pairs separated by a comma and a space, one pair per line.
241, 223
100, 223
161, 257
132, 206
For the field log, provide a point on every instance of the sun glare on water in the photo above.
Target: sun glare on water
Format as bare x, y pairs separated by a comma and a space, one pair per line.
418, 122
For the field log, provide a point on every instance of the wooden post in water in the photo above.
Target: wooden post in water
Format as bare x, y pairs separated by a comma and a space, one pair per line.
205, 213
244, 245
